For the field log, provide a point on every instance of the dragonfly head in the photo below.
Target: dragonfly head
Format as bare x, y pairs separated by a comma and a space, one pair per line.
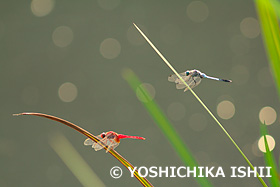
187, 73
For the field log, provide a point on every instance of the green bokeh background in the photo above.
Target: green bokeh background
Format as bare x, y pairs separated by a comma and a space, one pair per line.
33, 68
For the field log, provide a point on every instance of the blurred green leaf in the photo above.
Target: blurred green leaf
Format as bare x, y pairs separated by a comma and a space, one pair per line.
270, 32
163, 123
276, 6
73, 160
269, 158
200, 101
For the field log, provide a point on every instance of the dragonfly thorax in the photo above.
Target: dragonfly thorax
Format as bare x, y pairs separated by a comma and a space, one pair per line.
194, 73
111, 135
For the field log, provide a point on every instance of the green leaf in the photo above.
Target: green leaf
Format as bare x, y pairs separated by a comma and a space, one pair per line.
270, 32
163, 123
201, 102
269, 158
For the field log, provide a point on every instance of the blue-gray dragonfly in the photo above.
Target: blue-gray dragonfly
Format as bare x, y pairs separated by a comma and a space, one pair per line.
192, 78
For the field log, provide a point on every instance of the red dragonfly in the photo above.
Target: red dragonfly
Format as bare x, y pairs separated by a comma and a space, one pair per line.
110, 139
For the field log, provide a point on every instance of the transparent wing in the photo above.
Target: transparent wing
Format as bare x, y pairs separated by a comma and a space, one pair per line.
98, 145
187, 79
110, 143
88, 142
193, 83
95, 145
180, 86
173, 78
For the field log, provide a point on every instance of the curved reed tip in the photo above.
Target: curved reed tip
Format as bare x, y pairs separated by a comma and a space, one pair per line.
17, 114
20, 114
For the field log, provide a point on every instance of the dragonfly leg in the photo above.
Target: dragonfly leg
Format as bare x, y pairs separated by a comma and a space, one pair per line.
109, 147
194, 81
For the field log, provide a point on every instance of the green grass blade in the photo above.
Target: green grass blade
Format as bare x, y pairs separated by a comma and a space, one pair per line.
201, 102
74, 161
114, 153
270, 32
164, 124
269, 158
276, 6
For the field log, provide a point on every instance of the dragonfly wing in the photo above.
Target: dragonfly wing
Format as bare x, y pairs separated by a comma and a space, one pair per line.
185, 78
99, 145
193, 83
173, 78
180, 86
112, 145
88, 142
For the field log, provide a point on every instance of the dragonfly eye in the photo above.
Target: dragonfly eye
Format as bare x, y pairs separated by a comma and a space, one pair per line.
187, 73
102, 135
